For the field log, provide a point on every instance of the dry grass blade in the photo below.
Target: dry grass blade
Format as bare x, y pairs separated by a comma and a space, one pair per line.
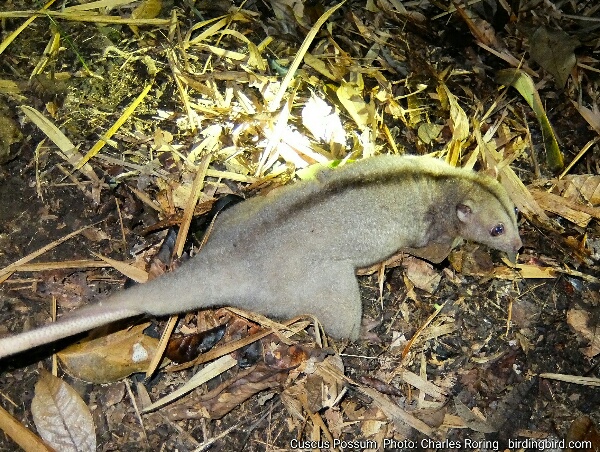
131, 271
69, 150
77, 263
221, 22
21, 435
126, 114
100, 4
76, 17
191, 205
207, 373
9, 269
11, 37
162, 346
421, 329
274, 104
576, 379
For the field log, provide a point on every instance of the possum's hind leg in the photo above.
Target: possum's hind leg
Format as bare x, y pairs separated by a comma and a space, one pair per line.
328, 290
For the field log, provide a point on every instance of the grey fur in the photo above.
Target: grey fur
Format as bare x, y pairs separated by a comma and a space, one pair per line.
295, 250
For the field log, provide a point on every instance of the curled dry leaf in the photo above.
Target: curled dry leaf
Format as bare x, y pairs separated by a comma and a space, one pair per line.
110, 358
61, 417
183, 348
380, 386
422, 274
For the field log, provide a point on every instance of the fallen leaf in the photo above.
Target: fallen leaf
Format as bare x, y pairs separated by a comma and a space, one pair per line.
61, 417
567, 209
350, 96
422, 274
581, 321
184, 348
230, 394
583, 429
110, 358
578, 187
554, 50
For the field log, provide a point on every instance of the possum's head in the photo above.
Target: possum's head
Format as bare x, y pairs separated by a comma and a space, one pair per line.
488, 217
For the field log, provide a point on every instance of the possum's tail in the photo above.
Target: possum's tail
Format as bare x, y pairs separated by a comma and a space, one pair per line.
84, 320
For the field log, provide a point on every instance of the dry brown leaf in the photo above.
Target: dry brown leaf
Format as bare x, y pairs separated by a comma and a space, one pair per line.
554, 50
527, 271
578, 194
581, 322
381, 386
578, 187
583, 429
422, 274
110, 358
186, 347
482, 30
561, 206
61, 417
471, 420
230, 394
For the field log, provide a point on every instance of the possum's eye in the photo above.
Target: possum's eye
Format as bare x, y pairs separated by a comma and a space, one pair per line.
497, 230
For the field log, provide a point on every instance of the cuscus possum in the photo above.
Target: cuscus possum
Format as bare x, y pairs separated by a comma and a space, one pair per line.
295, 250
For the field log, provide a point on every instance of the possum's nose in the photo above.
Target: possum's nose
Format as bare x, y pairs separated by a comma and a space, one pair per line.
516, 246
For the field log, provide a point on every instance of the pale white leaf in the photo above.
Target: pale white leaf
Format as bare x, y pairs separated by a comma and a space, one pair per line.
61, 417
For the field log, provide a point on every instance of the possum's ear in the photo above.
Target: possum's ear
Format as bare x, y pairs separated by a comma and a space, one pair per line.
464, 212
